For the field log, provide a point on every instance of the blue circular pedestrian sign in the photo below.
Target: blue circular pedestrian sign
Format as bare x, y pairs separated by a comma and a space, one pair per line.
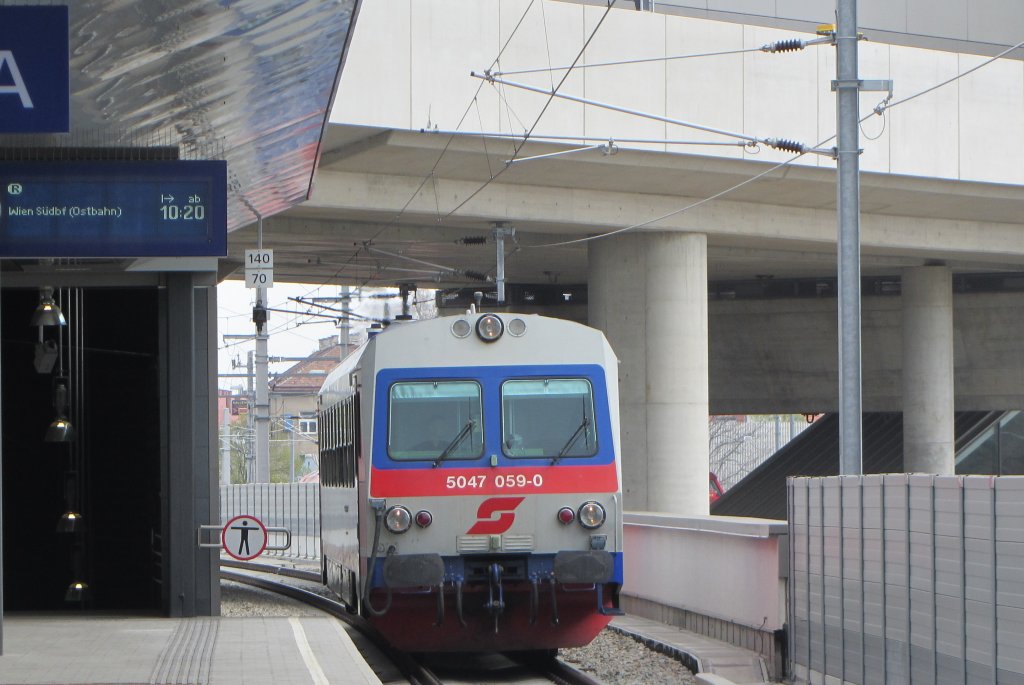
244, 537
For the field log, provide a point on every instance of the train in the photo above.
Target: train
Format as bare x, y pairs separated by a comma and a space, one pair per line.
470, 479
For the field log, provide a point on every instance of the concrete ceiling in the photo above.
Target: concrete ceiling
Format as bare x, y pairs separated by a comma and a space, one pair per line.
382, 212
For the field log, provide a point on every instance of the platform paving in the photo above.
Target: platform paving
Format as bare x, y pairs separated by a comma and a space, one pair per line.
729, 663
87, 650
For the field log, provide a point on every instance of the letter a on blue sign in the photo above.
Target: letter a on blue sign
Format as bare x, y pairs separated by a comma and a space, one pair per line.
34, 69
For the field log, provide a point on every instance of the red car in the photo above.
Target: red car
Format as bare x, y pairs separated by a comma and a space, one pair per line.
715, 489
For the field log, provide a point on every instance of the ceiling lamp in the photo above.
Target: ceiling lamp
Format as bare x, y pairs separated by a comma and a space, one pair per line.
60, 429
78, 591
70, 522
47, 313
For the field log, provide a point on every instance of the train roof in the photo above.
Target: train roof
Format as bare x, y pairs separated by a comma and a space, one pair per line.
523, 339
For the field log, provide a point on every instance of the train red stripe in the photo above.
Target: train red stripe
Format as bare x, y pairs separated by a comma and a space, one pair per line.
493, 481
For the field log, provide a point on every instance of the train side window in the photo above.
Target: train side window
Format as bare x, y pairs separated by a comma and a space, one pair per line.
433, 418
548, 418
339, 443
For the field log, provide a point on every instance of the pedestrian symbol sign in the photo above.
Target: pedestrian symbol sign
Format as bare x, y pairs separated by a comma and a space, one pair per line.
244, 537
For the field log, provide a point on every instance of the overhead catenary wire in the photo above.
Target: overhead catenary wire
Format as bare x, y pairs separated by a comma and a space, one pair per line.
789, 45
540, 115
778, 143
889, 105
609, 148
617, 139
878, 110
431, 174
394, 220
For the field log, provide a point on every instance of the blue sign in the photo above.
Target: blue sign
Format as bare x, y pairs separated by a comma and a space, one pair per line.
34, 70
113, 209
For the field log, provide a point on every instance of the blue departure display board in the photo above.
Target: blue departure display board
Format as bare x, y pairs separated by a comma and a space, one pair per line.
113, 209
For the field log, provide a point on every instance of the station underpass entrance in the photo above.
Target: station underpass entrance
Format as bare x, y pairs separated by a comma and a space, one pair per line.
107, 430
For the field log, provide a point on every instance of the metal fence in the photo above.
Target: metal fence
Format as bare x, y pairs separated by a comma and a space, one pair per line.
739, 444
907, 579
295, 506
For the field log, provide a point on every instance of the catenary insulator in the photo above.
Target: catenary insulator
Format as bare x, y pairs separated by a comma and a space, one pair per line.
785, 45
786, 145
472, 240
475, 275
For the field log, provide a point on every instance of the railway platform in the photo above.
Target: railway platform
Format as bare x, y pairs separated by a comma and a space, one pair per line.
720, 662
80, 650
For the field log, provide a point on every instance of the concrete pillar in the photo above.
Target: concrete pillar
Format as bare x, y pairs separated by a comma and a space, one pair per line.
928, 370
648, 293
677, 372
190, 494
615, 297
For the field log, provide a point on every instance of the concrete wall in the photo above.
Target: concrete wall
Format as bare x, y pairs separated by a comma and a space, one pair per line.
941, 24
789, 366
415, 58
720, 576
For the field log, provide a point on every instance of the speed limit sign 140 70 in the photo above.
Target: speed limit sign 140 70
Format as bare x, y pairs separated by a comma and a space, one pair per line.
259, 268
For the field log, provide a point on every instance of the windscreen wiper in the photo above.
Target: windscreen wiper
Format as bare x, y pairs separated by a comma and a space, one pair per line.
455, 442
572, 440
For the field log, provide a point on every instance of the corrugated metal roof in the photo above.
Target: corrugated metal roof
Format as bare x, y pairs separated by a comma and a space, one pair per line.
249, 81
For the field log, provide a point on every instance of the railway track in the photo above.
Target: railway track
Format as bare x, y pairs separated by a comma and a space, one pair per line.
423, 670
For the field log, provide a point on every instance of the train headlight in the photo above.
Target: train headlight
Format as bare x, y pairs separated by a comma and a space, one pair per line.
461, 328
591, 515
566, 515
489, 327
398, 519
516, 328
423, 518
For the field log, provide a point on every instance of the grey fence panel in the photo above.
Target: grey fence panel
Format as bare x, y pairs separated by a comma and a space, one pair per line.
907, 579
295, 506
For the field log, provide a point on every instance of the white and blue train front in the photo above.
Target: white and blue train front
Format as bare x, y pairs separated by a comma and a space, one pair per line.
489, 485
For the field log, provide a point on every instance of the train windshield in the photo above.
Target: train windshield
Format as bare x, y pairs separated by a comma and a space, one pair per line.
548, 418
435, 420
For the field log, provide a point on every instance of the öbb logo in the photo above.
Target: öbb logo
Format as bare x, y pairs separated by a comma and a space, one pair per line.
487, 524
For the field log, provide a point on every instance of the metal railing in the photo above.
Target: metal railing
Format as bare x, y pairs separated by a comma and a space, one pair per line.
739, 444
294, 506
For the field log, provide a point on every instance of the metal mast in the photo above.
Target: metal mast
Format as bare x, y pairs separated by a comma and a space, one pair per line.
847, 87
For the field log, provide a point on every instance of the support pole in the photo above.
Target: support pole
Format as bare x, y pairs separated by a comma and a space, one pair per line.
225, 447
262, 406
501, 231
262, 381
291, 445
345, 324
250, 421
848, 203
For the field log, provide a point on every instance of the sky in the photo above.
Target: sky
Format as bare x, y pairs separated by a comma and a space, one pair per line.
291, 335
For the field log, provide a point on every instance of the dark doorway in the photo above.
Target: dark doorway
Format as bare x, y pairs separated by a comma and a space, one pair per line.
109, 472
